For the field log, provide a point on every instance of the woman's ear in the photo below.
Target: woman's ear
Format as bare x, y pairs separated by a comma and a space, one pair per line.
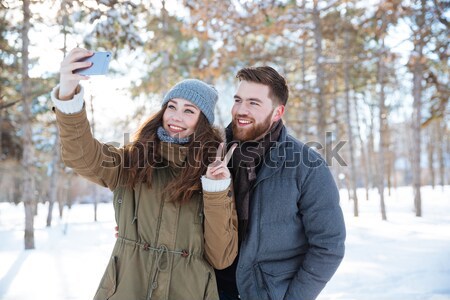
278, 113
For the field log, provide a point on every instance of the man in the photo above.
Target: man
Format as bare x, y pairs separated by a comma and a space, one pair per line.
291, 228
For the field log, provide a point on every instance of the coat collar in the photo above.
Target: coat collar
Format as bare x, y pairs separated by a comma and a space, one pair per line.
274, 159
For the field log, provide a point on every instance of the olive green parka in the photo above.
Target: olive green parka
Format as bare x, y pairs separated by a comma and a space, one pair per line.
164, 250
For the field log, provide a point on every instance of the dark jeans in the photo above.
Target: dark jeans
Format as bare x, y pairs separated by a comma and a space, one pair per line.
225, 296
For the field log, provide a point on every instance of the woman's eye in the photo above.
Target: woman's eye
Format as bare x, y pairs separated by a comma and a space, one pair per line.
189, 111
171, 106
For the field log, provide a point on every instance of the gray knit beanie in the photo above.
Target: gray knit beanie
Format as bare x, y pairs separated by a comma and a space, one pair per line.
203, 95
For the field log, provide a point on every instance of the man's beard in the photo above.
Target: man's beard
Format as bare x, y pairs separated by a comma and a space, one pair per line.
252, 132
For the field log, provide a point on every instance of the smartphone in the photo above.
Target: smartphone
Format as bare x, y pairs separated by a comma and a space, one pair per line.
100, 64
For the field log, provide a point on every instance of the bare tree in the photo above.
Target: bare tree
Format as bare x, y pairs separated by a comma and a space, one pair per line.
417, 65
27, 159
373, 168
382, 117
306, 113
352, 178
94, 186
364, 155
430, 151
390, 159
320, 79
56, 155
54, 182
442, 128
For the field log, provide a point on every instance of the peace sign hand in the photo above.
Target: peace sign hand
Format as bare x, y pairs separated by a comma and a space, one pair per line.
218, 169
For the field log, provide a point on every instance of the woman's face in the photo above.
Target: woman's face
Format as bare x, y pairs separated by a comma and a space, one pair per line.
180, 118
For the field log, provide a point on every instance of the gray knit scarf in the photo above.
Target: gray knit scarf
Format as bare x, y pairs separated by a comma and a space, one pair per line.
165, 137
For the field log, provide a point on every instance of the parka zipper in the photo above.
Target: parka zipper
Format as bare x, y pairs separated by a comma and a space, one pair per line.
153, 278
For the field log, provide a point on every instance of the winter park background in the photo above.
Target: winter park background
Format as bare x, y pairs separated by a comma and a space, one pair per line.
404, 258
369, 79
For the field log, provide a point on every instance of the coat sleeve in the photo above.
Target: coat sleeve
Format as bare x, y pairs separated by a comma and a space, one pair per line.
325, 230
220, 228
95, 161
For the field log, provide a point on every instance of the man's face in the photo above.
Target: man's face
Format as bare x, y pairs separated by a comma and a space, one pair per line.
253, 111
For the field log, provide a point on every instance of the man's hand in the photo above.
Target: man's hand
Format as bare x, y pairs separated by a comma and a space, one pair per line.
218, 169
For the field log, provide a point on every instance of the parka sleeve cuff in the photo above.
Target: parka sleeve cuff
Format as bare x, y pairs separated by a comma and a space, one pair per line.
72, 106
211, 185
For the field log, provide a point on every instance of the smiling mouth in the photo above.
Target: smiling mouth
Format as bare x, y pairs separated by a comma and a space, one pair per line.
176, 129
242, 122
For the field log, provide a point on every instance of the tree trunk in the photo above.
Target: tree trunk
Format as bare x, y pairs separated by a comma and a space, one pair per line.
338, 169
94, 187
430, 151
364, 155
418, 69
388, 153
95, 198
56, 171
417, 80
27, 159
319, 86
440, 153
53, 189
393, 169
64, 195
306, 112
389, 161
383, 128
372, 167
61, 203
352, 178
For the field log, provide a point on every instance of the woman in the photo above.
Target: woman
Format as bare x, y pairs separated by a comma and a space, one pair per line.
174, 223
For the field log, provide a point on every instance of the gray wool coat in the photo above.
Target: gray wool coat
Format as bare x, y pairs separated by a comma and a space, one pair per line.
296, 231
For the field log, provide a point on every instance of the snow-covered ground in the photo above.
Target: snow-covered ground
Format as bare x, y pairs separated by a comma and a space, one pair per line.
404, 258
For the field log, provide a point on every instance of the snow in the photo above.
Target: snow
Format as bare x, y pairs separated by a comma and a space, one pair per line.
405, 257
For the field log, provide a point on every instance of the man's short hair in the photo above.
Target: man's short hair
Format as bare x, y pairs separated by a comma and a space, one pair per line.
278, 88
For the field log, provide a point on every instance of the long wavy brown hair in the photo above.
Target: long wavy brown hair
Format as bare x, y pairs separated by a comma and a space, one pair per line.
143, 156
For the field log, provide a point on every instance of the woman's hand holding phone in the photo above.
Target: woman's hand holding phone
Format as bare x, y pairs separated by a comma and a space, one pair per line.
68, 80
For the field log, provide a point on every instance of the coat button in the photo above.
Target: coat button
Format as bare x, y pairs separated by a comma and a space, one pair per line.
230, 193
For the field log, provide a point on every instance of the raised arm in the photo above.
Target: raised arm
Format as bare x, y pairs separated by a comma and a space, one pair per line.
221, 235
98, 162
